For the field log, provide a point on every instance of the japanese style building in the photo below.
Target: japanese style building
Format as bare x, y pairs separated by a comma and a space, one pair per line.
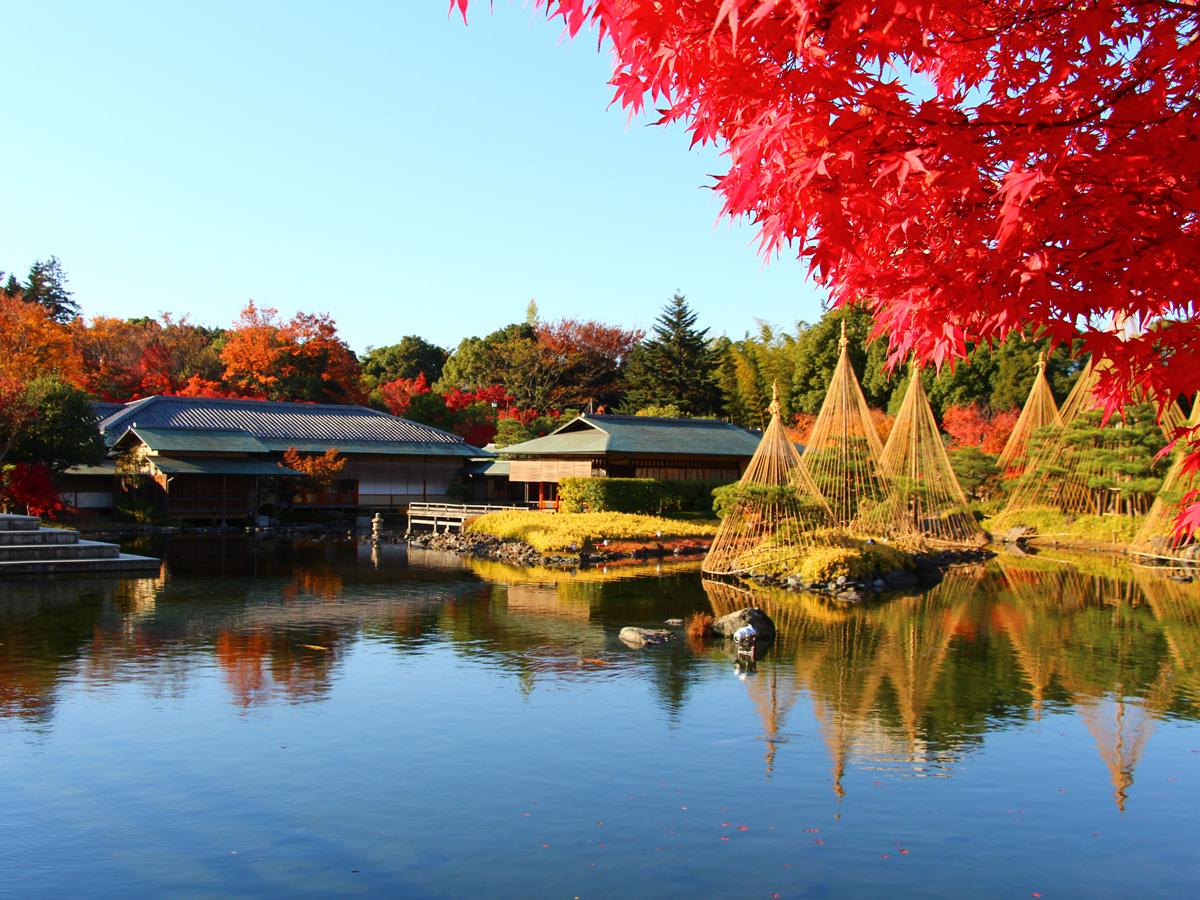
220, 459
597, 446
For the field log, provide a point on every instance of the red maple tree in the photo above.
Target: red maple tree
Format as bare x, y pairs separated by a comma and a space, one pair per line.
969, 167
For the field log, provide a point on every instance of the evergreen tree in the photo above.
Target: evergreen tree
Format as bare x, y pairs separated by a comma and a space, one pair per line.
675, 366
47, 285
412, 356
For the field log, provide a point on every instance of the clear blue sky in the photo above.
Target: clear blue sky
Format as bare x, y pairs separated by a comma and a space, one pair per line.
377, 161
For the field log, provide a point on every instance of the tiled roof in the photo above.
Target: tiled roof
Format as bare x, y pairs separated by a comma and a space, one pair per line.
589, 435
104, 410
280, 425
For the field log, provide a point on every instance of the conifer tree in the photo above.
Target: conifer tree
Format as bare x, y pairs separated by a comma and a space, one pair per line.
676, 365
47, 285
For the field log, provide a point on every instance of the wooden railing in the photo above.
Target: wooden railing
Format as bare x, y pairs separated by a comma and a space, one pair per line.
450, 515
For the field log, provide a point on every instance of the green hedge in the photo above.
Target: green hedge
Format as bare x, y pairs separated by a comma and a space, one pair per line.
635, 495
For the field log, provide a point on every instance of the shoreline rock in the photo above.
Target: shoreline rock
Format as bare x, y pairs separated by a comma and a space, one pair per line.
519, 553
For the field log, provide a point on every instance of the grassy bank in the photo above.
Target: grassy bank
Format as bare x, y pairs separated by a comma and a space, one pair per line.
572, 532
1051, 524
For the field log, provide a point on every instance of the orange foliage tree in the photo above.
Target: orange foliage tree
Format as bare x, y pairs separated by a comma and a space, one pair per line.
301, 359
126, 359
320, 471
33, 344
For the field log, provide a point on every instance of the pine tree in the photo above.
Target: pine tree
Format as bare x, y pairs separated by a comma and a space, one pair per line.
675, 366
47, 285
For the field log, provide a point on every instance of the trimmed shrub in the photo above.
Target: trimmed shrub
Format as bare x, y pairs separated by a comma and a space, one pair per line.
646, 496
576, 531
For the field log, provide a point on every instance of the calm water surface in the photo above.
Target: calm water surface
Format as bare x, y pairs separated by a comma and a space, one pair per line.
318, 719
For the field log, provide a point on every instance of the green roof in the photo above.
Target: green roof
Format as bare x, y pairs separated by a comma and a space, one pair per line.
497, 468
392, 448
214, 466
645, 435
193, 439
104, 467
197, 440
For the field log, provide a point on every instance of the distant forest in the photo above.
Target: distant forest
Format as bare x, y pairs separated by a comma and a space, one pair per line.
513, 384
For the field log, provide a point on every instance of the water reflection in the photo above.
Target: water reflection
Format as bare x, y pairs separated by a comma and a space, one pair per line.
913, 684
908, 686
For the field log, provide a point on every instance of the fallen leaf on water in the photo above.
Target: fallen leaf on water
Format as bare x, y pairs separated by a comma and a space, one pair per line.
818, 841
313, 647
724, 837
590, 661
743, 828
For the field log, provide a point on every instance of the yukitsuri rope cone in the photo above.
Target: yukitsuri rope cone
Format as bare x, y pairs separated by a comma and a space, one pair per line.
1157, 537
843, 451
926, 500
1077, 476
1039, 411
777, 510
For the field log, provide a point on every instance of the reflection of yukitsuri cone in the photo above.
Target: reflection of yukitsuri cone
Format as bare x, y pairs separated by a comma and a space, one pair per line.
843, 452
774, 701
1037, 645
925, 499
1176, 606
919, 631
1157, 537
779, 508
1039, 411
844, 688
1121, 730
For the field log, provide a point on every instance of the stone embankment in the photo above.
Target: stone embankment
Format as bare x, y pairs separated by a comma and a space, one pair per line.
519, 553
928, 570
484, 546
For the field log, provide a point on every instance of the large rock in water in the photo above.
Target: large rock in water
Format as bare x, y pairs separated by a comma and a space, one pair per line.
642, 637
751, 615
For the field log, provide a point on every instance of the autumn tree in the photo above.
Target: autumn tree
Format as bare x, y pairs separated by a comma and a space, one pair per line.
319, 470
301, 359
966, 168
590, 357
32, 343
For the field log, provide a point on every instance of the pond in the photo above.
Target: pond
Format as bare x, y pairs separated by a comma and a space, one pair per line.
311, 719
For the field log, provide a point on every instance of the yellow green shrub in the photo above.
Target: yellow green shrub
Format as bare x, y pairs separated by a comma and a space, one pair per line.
548, 532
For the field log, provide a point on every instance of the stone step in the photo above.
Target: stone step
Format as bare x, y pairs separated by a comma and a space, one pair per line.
123, 562
80, 550
19, 523
41, 536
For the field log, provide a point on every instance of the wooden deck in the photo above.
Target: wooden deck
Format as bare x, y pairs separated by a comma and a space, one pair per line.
448, 516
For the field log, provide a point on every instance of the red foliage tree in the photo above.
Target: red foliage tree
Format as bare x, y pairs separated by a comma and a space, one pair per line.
966, 426
30, 487
1000, 428
973, 167
589, 357
398, 393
